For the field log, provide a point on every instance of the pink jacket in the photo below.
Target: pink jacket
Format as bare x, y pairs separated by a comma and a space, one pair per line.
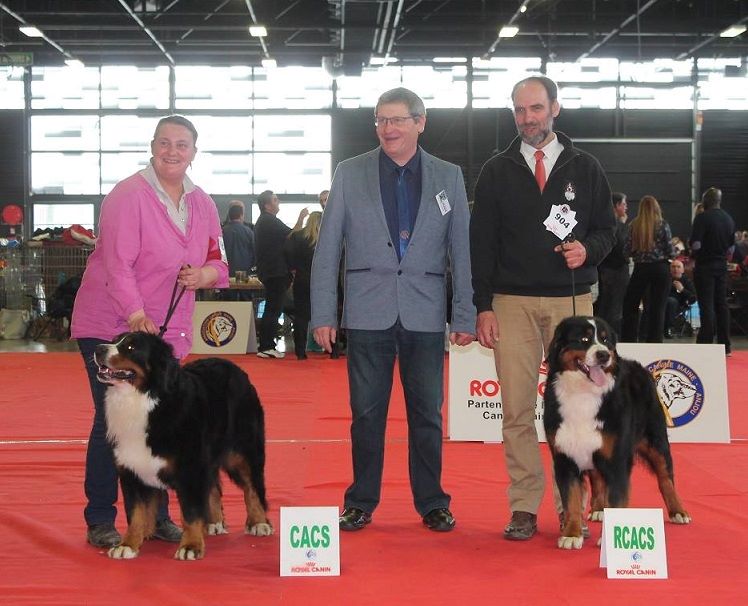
138, 255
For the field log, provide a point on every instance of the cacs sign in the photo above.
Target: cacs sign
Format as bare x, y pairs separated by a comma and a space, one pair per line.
310, 542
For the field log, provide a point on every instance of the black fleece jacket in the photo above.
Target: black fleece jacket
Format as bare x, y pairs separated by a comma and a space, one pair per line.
511, 250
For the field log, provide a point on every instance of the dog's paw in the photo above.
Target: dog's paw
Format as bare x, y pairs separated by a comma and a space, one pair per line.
595, 516
188, 553
122, 552
218, 528
680, 517
263, 529
570, 542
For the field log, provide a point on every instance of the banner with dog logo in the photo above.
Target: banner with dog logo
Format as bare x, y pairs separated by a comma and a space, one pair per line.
223, 327
310, 542
633, 544
691, 382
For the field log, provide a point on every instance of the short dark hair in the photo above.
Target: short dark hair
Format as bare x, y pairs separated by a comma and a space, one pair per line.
264, 199
711, 198
617, 197
180, 121
403, 95
548, 84
236, 212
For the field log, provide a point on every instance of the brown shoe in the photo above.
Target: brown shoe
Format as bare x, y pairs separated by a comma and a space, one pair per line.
521, 527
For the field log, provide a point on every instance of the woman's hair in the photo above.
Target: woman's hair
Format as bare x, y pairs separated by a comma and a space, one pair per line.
643, 227
180, 121
311, 230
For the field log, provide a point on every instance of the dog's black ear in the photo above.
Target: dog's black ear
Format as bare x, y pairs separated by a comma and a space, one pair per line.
170, 375
554, 349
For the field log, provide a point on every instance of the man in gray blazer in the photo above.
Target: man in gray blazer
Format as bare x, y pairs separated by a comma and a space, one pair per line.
402, 216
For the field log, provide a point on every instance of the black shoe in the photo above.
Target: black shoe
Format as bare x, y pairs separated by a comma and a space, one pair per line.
440, 520
103, 535
353, 518
166, 530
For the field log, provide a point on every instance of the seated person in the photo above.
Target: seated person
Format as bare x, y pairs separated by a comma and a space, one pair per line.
682, 295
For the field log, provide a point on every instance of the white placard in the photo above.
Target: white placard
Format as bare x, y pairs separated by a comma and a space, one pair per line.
310, 542
633, 544
691, 382
475, 411
223, 327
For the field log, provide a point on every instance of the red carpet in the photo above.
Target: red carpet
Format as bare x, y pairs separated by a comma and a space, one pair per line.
45, 410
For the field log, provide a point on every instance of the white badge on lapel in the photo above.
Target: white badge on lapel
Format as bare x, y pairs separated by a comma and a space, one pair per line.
443, 202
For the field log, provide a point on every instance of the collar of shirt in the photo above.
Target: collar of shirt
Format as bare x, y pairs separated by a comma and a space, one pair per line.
413, 165
552, 151
177, 215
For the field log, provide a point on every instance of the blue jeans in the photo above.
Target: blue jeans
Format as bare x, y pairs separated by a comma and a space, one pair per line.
371, 360
100, 483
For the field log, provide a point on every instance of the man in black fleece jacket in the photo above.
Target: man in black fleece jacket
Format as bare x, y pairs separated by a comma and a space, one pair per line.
524, 276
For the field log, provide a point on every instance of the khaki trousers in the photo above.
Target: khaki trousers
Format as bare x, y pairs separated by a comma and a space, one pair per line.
526, 326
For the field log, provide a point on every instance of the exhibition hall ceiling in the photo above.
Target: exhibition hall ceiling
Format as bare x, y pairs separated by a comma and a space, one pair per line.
343, 35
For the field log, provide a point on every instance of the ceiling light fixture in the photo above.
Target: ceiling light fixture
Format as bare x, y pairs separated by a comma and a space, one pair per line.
381, 60
523, 8
31, 31
269, 63
733, 31
450, 60
508, 31
74, 63
258, 31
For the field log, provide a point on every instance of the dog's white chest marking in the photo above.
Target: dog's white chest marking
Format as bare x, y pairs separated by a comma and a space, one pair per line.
579, 435
127, 419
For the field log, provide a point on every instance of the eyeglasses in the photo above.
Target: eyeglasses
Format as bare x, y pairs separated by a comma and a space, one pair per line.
397, 121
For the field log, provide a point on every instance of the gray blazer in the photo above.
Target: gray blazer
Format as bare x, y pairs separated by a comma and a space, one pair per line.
379, 288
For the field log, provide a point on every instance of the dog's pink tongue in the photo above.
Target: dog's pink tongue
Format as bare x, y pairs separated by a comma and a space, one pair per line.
597, 374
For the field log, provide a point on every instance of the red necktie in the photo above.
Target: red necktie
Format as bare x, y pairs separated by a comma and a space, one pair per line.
540, 169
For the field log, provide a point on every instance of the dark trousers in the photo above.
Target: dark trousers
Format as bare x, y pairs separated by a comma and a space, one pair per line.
100, 482
652, 280
302, 312
275, 292
672, 308
612, 284
711, 291
371, 360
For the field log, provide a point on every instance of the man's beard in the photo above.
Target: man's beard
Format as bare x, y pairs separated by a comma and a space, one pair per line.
539, 137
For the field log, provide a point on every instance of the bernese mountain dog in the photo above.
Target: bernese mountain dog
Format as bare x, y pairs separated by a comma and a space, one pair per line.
173, 426
600, 412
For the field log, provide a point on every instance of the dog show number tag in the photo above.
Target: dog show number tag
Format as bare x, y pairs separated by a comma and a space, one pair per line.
560, 220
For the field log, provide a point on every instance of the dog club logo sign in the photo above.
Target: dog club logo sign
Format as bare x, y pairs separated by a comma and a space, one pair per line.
679, 389
310, 541
218, 328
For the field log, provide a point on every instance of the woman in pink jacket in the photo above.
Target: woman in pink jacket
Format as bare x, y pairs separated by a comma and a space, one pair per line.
156, 228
